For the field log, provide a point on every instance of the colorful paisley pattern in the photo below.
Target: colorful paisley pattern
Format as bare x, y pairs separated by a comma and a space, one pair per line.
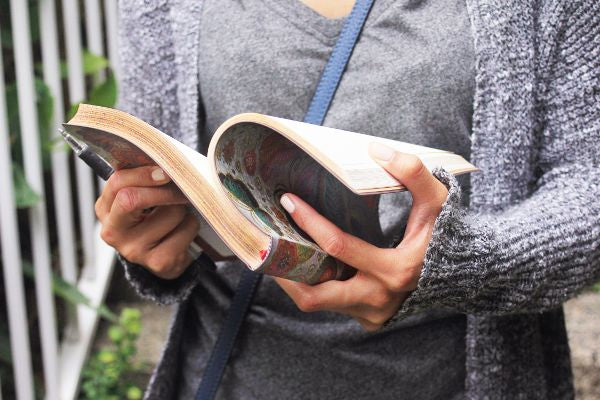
257, 166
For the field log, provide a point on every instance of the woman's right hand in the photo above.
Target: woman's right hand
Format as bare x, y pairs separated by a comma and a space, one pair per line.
159, 239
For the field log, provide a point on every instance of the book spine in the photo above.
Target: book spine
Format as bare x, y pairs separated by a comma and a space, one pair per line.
302, 263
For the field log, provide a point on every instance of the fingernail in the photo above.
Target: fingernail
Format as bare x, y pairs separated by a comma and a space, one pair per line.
158, 174
381, 151
287, 203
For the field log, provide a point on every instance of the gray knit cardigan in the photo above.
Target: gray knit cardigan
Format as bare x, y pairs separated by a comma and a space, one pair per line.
530, 238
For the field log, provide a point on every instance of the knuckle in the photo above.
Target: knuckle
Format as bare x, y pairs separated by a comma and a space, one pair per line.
411, 166
128, 199
162, 263
98, 207
334, 245
131, 254
379, 299
368, 326
307, 303
115, 181
180, 259
108, 235
378, 319
397, 283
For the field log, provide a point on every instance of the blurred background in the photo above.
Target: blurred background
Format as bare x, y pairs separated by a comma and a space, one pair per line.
70, 327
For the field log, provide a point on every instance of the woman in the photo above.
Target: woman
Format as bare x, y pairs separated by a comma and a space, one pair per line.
471, 298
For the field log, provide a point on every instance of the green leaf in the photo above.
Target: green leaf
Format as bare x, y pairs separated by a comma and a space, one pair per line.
134, 393
93, 63
45, 107
597, 287
5, 352
6, 34
64, 69
116, 333
45, 113
70, 293
107, 356
12, 108
104, 94
25, 196
72, 111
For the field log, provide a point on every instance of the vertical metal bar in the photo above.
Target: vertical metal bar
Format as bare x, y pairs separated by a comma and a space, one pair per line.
33, 174
60, 158
76, 83
93, 29
11, 261
111, 17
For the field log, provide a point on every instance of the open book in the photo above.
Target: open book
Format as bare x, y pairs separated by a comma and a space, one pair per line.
252, 160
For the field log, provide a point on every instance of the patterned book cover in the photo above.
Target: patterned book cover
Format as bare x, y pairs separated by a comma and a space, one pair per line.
257, 166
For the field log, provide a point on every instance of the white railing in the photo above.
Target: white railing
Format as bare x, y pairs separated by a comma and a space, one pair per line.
62, 360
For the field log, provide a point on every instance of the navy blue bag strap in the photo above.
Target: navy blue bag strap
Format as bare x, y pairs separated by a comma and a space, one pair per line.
249, 281
338, 60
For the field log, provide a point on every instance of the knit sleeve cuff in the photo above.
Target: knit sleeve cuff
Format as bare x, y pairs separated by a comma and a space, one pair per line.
165, 291
447, 280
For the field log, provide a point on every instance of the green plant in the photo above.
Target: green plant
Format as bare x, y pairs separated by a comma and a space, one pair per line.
63, 290
102, 94
70, 293
107, 373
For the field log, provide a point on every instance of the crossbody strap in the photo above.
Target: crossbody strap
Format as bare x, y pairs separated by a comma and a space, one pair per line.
338, 60
249, 281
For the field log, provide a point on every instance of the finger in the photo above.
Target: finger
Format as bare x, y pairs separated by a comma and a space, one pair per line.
130, 202
170, 258
343, 246
132, 177
341, 296
367, 325
158, 224
315, 298
411, 172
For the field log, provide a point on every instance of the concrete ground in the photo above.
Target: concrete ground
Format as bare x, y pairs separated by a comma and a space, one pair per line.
582, 314
583, 325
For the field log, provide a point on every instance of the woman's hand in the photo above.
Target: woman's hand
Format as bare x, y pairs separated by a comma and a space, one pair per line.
156, 239
385, 276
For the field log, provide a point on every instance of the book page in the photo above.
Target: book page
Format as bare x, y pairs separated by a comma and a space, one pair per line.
349, 152
199, 161
209, 239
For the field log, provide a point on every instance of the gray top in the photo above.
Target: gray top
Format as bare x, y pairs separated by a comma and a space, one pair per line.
529, 239
417, 89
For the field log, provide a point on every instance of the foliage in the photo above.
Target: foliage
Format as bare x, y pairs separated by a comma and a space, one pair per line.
25, 196
597, 287
70, 293
103, 94
105, 376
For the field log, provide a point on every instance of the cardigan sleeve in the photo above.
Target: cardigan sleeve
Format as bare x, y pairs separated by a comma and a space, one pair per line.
147, 79
166, 291
537, 253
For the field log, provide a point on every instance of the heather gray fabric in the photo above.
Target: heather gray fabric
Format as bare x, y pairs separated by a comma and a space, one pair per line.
530, 238
266, 69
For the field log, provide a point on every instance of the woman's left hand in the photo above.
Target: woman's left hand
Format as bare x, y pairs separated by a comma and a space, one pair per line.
384, 277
